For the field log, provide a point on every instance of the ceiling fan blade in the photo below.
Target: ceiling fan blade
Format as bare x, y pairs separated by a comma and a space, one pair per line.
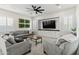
36, 12
29, 8
41, 10
39, 7
33, 6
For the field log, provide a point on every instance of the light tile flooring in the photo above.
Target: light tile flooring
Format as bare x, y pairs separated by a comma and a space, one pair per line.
36, 49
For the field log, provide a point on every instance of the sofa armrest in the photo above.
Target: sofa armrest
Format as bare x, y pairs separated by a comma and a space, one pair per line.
19, 47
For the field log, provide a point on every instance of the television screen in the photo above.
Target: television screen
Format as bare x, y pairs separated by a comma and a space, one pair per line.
49, 24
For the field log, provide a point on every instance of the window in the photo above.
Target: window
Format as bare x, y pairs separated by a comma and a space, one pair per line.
2, 24
2, 20
68, 22
6, 24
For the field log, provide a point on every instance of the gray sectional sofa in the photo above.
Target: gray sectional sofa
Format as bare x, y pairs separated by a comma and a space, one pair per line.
17, 43
20, 35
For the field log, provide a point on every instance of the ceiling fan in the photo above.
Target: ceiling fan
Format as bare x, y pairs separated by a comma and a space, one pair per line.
36, 9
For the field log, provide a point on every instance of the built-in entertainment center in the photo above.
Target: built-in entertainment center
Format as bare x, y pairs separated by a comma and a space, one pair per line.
49, 24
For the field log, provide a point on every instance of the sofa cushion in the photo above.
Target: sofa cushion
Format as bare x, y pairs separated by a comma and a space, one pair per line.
11, 40
19, 32
25, 32
19, 40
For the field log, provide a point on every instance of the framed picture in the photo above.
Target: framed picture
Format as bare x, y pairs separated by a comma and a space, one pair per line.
21, 20
21, 25
24, 23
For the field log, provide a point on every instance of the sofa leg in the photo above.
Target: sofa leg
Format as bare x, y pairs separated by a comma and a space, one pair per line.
45, 52
26, 52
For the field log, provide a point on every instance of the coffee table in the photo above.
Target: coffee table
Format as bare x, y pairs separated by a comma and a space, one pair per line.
36, 38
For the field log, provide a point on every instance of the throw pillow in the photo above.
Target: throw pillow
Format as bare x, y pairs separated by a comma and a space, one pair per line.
11, 40
8, 44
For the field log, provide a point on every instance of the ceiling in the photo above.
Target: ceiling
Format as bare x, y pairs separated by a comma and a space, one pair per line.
22, 8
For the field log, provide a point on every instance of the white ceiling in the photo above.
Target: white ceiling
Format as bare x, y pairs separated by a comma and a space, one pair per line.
22, 8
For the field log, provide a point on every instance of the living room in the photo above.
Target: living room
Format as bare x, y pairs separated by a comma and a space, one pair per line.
26, 24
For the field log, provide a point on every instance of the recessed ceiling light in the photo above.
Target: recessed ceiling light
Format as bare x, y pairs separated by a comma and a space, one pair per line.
58, 5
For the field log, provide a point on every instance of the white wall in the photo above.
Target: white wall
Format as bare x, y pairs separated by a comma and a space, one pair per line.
77, 17
15, 17
63, 25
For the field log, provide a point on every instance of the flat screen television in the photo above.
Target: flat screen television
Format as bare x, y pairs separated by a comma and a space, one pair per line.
49, 24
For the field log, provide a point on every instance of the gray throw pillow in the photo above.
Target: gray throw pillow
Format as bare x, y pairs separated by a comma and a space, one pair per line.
60, 41
8, 44
11, 40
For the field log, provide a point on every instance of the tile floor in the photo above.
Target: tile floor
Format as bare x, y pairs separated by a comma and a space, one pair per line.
36, 49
